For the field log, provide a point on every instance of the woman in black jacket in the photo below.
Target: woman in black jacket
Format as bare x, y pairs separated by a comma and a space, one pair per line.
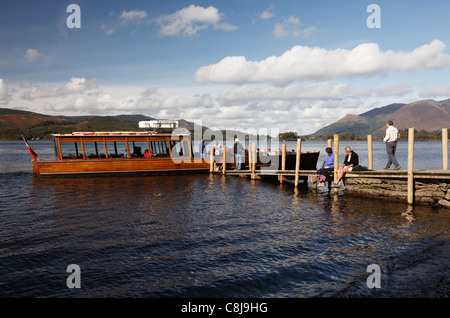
351, 160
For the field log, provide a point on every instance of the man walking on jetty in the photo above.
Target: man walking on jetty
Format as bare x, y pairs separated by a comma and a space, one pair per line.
392, 135
238, 149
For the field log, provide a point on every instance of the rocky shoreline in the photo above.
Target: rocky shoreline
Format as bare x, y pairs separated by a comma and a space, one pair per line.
426, 192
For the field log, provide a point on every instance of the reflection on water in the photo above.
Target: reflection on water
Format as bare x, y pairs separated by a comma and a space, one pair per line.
212, 236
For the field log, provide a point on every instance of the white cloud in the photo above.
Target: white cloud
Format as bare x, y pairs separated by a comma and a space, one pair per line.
321, 90
314, 63
150, 91
103, 104
179, 102
5, 93
391, 90
108, 30
33, 54
107, 103
133, 16
78, 85
265, 15
147, 102
74, 86
292, 27
190, 20
434, 91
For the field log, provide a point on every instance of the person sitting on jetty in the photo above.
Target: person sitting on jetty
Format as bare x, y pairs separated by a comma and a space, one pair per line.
351, 160
214, 149
327, 168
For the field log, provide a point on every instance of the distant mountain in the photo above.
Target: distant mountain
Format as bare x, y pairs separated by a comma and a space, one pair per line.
18, 119
389, 109
14, 123
428, 115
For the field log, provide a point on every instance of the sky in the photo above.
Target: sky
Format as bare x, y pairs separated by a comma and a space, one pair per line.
227, 64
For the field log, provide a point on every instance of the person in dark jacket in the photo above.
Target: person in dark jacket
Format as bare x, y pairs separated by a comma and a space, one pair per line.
238, 153
351, 160
201, 149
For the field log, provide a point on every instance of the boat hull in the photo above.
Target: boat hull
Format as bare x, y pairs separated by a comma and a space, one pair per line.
120, 166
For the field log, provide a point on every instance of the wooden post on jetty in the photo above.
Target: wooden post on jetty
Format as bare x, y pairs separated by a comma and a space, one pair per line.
255, 160
410, 166
370, 152
250, 157
297, 161
211, 161
336, 159
283, 162
224, 165
445, 148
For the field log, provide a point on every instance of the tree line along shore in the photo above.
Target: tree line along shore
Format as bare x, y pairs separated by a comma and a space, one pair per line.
44, 132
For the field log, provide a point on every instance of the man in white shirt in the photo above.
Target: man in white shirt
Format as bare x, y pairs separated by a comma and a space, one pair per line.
390, 139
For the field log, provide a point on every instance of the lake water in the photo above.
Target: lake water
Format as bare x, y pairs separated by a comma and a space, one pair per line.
213, 236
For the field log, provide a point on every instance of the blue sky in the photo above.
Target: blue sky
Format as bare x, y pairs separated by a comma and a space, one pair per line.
290, 65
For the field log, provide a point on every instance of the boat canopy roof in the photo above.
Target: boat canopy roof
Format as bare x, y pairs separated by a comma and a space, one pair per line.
160, 127
120, 133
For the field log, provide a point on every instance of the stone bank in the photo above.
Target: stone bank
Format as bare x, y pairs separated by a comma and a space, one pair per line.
426, 191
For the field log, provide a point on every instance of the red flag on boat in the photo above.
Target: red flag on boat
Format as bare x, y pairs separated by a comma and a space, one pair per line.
29, 149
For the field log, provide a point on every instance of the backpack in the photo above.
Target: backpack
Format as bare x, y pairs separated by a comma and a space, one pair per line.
359, 168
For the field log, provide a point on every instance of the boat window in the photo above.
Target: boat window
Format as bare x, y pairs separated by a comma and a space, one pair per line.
71, 150
111, 147
160, 148
119, 148
55, 145
94, 149
137, 148
179, 148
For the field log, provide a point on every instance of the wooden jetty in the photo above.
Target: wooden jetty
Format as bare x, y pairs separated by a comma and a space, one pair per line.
439, 179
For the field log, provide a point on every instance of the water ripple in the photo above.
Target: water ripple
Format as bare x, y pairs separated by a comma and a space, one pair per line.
211, 236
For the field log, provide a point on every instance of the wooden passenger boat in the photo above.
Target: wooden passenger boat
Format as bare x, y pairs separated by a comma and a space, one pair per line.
85, 153
112, 153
